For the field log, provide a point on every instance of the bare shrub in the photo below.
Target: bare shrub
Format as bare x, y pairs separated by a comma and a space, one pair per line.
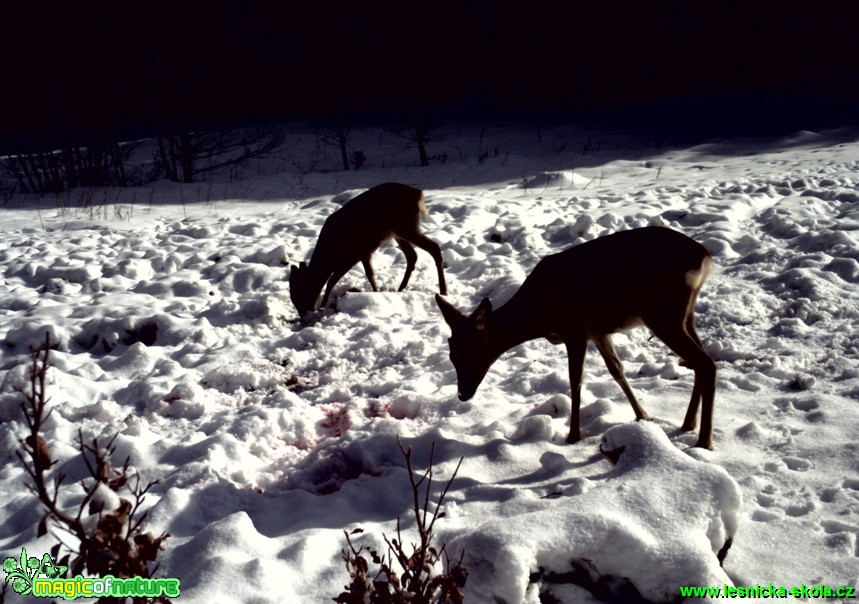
116, 544
416, 582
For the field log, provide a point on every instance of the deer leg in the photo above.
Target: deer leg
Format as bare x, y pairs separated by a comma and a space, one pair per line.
690, 329
576, 348
368, 270
615, 368
431, 247
691, 418
411, 259
335, 277
677, 338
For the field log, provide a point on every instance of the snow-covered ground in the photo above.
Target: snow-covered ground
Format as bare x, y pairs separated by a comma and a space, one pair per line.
170, 309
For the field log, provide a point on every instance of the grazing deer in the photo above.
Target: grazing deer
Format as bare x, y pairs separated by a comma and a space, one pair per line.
354, 232
648, 276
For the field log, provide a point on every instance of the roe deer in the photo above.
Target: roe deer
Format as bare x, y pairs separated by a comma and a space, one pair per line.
648, 276
354, 232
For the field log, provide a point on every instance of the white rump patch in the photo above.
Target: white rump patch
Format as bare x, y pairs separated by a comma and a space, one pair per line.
696, 277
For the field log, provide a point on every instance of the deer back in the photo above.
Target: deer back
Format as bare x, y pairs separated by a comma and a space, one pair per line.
612, 282
357, 229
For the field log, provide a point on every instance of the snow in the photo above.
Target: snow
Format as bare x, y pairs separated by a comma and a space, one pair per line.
173, 326
623, 526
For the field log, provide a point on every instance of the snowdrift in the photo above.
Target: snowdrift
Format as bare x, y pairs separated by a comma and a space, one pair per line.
659, 520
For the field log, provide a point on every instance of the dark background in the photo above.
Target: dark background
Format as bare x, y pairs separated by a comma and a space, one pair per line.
696, 67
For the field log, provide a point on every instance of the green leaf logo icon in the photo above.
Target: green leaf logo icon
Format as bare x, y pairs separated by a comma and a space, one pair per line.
18, 574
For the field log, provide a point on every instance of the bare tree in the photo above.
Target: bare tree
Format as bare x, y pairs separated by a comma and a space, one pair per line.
184, 153
337, 133
418, 133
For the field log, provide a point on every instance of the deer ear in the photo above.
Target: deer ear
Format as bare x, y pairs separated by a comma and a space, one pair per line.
452, 316
482, 314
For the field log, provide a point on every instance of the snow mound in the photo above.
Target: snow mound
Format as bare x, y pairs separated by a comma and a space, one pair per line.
660, 521
232, 548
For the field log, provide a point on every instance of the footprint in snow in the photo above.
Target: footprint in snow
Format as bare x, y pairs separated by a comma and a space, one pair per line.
841, 536
807, 408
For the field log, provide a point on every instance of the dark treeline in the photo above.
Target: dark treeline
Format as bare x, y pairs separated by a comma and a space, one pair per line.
79, 82
181, 155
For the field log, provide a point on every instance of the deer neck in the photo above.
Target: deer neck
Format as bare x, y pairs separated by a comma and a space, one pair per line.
322, 267
318, 273
518, 321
